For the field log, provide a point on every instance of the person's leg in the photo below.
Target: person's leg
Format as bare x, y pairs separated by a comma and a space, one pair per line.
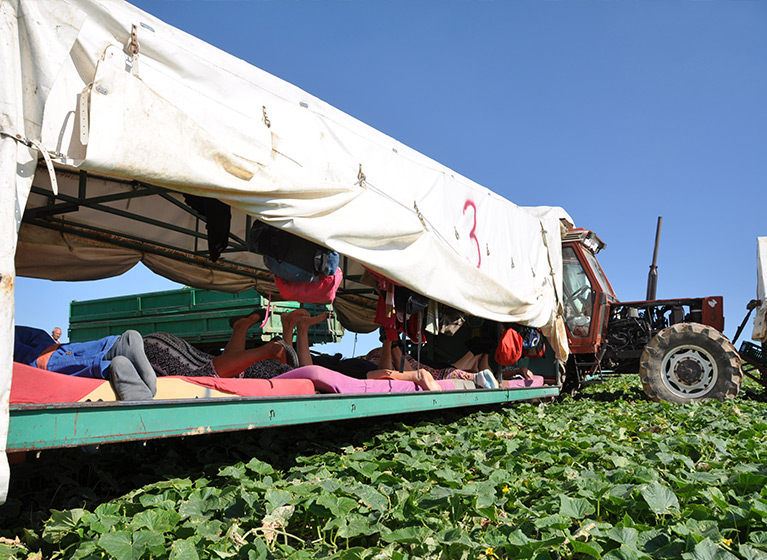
523, 371
302, 337
289, 321
484, 362
395, 359
396, 354
455, 373
232, 364
386, 361
131, 346
485, 377
126, 382
240, 329
422, 378
468, 362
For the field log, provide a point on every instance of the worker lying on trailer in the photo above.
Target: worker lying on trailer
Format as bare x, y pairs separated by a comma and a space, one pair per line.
473, 366
121, 359
170, 355
301, 320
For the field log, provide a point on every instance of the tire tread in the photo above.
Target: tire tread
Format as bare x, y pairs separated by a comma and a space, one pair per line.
724, 354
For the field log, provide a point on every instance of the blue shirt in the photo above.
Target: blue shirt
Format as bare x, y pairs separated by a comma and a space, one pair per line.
82, 359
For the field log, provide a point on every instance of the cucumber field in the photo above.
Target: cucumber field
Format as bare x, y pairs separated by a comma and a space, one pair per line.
607, 474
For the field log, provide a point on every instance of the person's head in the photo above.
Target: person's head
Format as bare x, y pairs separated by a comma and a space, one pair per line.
56, 333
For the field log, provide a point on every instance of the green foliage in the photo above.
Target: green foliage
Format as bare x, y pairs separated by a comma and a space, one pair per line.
608, 475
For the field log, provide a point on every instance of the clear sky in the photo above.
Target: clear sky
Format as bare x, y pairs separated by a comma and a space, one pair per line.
618, 111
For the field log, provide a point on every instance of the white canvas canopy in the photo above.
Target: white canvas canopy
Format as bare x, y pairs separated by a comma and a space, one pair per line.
102, 87
760, 320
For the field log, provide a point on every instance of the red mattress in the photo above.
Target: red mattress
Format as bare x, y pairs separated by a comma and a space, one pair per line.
36, 386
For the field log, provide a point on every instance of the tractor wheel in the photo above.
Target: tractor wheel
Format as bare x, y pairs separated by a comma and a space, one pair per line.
688, 362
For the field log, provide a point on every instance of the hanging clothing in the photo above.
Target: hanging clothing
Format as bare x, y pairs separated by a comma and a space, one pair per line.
218, 221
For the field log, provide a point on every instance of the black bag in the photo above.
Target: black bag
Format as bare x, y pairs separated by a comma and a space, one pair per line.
285, 247
218, 219
408, 301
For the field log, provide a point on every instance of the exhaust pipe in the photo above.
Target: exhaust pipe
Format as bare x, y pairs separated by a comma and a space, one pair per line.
652, 277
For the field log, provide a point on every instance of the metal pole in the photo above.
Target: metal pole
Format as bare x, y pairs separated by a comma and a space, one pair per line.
652, 277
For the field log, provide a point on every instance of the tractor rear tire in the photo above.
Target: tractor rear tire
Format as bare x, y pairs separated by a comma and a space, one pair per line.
690, 362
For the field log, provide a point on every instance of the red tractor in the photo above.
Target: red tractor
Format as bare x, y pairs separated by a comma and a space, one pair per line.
676, 345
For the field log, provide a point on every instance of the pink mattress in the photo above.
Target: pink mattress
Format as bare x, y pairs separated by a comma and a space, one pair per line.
536, 381
329, 381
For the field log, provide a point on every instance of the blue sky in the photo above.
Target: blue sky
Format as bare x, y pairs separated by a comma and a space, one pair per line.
618, 111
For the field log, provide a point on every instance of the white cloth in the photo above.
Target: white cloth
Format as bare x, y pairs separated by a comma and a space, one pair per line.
760, 319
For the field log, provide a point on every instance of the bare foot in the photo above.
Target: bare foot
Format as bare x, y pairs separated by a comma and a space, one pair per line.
426, 381
278, 352
291, 319
523, 371
306, 322
249, 320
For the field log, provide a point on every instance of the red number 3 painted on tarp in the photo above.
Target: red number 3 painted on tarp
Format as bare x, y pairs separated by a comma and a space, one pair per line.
472, 233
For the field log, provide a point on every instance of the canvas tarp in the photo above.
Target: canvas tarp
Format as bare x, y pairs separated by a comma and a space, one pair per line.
185, 115
104, 87
760, 320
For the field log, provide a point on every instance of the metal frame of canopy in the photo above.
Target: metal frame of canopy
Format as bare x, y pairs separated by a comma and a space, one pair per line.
36, 427
48, 216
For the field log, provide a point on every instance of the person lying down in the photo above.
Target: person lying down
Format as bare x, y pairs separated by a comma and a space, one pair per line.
473, 366
170, 355
302, 320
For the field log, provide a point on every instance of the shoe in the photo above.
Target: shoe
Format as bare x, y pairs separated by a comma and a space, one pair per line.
486, 380
261, 313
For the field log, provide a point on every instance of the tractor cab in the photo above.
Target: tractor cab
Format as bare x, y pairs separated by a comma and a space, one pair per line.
586, 291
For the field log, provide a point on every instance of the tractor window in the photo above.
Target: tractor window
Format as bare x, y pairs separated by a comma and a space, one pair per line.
598, 272
578, 296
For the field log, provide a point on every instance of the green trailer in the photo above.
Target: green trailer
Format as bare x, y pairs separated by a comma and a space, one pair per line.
200, 317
